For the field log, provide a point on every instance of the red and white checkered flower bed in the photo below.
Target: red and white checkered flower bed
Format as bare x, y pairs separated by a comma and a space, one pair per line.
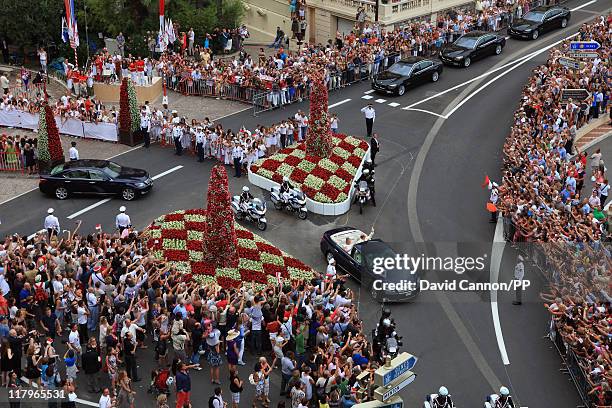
178, 237
326, 180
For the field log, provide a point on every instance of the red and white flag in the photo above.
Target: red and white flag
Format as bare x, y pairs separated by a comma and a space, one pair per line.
99, 227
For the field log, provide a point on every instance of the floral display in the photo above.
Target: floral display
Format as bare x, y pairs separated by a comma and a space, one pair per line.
178, 238
50, 150
322, 179
318, 139
129, 119
220, 243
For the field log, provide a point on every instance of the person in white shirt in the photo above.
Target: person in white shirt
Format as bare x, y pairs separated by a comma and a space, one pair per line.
330, 273
73, 152
74, 341
145, 127
105, 399
370, 116
51, 223
603, 190
122, 220
237, 156
519, 275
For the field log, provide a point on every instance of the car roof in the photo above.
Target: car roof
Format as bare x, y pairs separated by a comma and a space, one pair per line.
475, 34
412, 60
545, 8
85, 163
339, 237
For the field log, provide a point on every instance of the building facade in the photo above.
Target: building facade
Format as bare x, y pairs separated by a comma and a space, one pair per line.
325, 17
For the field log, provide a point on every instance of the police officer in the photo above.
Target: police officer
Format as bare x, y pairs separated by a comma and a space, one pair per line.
370, 116
374, 148
200, 139
504, 400
245, 197
237, 155
122, 220
285, 188
442, 400
145, 127
177, 133
51, 223
368, 177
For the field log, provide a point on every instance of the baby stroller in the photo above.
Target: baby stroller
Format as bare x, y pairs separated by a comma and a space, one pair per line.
161, 380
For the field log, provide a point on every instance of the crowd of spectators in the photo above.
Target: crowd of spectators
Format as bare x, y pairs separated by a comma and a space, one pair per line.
544, 204
107, 298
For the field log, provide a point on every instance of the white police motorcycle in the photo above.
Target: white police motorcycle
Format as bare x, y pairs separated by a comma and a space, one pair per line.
493, 398
296, 202
363, 194
254, 211
440, 400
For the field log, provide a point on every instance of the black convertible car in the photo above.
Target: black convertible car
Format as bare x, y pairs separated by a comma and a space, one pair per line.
539, 20
96, 177
407, 72
390, 285
472, 46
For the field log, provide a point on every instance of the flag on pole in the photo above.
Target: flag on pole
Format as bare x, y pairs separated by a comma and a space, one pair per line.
73, 31
170, 30
65, 37
162, 38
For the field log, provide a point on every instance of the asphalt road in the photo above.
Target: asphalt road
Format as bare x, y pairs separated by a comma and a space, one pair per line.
428, 191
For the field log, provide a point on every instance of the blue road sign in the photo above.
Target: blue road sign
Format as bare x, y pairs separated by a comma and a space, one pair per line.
406, 363
584, 45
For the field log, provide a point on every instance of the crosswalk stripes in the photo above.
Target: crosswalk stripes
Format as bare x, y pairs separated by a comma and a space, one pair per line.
394, 104
367, 97
380, 101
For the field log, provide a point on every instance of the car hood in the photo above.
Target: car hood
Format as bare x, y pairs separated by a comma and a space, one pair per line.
522, 25
133, 174
388, 78
453, 50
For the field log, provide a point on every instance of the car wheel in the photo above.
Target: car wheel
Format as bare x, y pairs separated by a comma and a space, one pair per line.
61, 193
401, 90
564, 23
435, 76
128, 194
535, 35
498, 50
467, 62
262, 225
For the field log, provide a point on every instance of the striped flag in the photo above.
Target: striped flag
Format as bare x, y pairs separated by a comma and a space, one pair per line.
163, 37
73, 31
65, 37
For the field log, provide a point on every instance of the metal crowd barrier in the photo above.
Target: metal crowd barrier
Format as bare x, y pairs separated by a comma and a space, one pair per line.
12, 162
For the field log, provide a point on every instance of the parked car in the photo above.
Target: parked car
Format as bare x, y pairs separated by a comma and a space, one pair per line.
538, 21
407, 72
470, 47
359, 263
95, 177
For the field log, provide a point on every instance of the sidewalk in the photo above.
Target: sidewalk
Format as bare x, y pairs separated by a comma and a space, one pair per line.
593, 132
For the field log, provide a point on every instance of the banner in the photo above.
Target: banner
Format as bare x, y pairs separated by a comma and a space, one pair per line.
72, 127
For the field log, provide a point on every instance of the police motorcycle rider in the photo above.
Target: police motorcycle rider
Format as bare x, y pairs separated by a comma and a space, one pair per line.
368, 176
285, 189
370, 166
245, 198
504, 400
442, 400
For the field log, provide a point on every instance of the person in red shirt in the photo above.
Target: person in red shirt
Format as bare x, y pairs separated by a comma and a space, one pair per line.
140, 69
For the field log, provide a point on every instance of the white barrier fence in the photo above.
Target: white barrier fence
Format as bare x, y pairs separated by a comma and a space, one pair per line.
72, 127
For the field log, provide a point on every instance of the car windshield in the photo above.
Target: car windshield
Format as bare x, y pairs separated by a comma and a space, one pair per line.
536, 16
57, 169
374, 250
466, 42
402, 69
112, 169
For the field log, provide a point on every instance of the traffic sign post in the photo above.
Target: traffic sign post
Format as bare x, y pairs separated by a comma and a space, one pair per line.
382, 394
574, 94
395, 402
571, 63
398, 366
584, 45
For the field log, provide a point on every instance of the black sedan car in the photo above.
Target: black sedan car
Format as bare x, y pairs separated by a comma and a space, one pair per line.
538, 21
472, 46
95, 177
407, 72
362, 262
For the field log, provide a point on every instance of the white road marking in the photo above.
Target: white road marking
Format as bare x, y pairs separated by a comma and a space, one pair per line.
394, 104
425, 111
165, 173
380, 100
369, 92
338, 103
106, 200
91, 207
583, 5
367, 97
497, 252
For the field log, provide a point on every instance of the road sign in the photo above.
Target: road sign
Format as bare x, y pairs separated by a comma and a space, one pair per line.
382, 394
578, 54
584, 45
399, 365
571, 63
395, 402
576, 95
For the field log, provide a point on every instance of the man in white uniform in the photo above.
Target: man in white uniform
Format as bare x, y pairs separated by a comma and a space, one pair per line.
51, 223
122, 221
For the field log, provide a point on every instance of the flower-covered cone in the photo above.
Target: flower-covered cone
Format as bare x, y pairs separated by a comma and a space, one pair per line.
125, 118
50, 150
220, 236
319, 140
